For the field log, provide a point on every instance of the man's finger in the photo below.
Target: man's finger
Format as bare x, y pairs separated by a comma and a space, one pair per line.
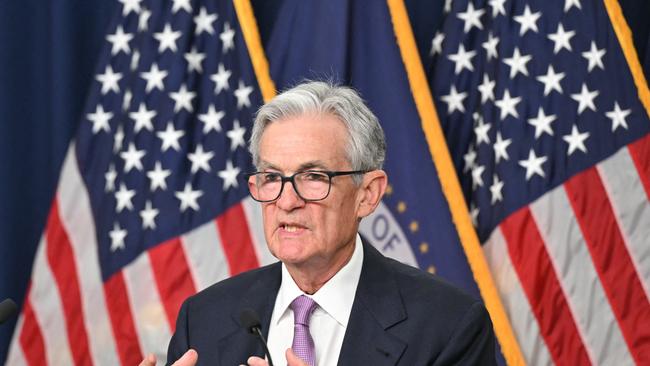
189, 359
256, 361
293, 360
150, 360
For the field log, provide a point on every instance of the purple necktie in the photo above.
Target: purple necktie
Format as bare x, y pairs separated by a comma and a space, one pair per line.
303, 344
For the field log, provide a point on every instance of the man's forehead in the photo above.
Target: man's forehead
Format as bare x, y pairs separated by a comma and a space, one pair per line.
301, 166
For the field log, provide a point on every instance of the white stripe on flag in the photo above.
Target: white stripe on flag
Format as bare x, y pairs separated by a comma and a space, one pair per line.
630, 204
148, 311
253, 212
16, 356
514, 300
76, 218
578, 278
48, 310
205, 256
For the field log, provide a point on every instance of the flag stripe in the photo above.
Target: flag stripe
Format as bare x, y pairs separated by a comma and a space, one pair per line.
205, 255
122, 322
61, 260
49, 311
640, 153
253, 212
632, 211
148, 311
173, 278
615, 269
31, 338
515, 302
236, 240
76, 218
16, 355
533, 266
579, 279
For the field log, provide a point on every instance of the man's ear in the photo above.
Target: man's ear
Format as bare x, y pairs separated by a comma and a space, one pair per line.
372, 188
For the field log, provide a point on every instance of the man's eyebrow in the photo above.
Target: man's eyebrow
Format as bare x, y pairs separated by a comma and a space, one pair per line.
310, 165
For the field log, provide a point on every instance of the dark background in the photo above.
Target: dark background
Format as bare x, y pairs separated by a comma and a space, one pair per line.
48, 51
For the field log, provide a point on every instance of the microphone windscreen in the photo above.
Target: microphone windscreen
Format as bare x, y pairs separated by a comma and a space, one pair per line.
249, 320
7, 309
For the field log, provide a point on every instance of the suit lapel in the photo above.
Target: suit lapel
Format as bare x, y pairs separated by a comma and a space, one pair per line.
377, 307
238, 344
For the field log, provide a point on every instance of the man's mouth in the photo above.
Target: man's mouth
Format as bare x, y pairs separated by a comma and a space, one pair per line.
291, 228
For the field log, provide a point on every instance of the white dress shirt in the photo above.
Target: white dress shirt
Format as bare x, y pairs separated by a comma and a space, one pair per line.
328, 322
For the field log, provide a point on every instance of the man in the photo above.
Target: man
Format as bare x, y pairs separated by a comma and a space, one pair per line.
319, 152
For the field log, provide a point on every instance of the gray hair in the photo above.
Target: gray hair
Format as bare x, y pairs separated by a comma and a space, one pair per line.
366, 147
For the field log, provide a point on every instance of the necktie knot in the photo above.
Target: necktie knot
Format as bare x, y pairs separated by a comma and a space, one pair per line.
302, 308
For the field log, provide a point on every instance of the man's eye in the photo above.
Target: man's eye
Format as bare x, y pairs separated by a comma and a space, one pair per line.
270, 177
316, 177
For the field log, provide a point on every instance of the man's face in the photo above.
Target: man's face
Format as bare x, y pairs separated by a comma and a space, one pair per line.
318, 234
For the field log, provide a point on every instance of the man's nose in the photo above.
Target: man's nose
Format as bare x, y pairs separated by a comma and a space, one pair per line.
289, 198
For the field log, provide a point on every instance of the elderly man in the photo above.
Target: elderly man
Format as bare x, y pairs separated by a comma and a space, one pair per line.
332, 299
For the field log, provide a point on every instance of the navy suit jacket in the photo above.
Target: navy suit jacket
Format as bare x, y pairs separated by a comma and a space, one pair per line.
400, 316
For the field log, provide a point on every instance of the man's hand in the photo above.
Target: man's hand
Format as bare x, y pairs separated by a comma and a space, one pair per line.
189, 359
292, 360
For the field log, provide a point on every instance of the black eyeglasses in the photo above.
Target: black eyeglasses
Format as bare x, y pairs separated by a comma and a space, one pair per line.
310, 185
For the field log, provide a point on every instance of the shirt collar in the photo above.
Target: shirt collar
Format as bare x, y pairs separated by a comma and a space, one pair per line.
335, 297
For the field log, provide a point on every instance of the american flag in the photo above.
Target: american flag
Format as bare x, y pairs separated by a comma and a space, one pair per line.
151, 206
548, 128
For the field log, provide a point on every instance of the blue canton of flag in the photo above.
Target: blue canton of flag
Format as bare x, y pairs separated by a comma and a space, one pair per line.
163, 146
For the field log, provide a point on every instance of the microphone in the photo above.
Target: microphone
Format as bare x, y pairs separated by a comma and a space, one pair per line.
251, 322
7, 309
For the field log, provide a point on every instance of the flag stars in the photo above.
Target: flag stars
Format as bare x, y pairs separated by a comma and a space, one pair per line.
167, 39
436, 43
236, 136
143, 20
517, 63
501, 148
204, 22
194, 60
481, 131
142, 118
200, 159
491, 46
568, 4
454, 100
561, 39
170, 137
462, 59
533, 165
181, 4
486, 88
576, 140
155, 78
123, 198
129, 6
595, 57
496, 190
126, 102
527, 21
211, 119
585, 99
508, 105
117, 236
132, 158
497, 7
119, 41
221, 79
477, 176
551, 80
542, 123
148, 215
229, 175
110, 177
227, 37
183, 99
473, 214
157, 177
470, 159
109, 80
617, 116
243, 94
188, 198
135, 60
100, 119
471, 17
119, 139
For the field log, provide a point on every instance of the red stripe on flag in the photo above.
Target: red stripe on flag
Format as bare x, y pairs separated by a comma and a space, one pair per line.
173, 277
60, 258
612, 261
236, 240
640, 153
122, 322
31, 338
539, 281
